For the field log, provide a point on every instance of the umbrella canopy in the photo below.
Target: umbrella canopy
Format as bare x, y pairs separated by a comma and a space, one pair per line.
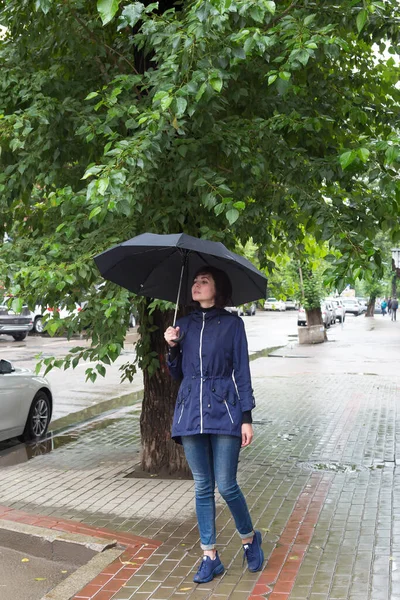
159, 265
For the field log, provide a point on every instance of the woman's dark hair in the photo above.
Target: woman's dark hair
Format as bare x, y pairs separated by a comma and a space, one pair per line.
223, 286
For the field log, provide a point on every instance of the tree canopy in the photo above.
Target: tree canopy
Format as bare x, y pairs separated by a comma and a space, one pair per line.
227, 119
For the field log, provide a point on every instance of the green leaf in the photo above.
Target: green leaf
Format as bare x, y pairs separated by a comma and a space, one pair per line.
285, 75
219, 208
150, 7
102, 185
257, 14
16, 305
43, 5
165, 102
201, 91
363, 153
232, 215
270, 6
92, 95
309, 19
347, 158
216, 83
131, 15
240, 205
101, 369
107, 9
361, 19
181, 105
95, 212
392, 154
272, 78
303, 57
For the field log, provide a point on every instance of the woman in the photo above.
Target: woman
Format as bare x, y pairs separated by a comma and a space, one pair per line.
212, 416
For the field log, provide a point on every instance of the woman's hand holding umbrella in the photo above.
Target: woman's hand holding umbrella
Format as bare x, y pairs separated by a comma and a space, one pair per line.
171, 336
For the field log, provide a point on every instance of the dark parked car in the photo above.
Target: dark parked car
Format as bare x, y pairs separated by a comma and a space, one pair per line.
17, 325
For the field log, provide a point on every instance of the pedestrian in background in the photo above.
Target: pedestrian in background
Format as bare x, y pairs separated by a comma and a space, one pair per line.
395, 306
383, 307
389, 305
212, 416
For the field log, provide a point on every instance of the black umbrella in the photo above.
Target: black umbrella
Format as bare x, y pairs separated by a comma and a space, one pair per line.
163, 266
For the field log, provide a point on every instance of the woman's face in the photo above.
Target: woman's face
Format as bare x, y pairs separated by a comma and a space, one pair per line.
203, 290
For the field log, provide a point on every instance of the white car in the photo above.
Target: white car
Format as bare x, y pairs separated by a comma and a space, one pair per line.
242, 310
326, 315
291, 304
363, 303
352, 306
274, 304
339, 309
26, 403
39, 322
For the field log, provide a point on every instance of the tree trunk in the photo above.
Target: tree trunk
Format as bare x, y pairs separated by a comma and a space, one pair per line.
394, 286
160, 454
371, 307
314, 316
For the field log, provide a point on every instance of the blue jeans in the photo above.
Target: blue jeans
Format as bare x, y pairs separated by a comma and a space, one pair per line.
214, 458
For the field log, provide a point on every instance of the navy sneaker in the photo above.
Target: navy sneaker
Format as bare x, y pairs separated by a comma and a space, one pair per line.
208, 569
253, 553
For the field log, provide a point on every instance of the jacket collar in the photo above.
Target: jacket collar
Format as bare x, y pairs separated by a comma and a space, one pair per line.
209, 313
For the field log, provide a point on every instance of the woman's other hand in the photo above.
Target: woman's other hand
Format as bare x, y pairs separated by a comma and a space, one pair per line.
247, 434
171, 334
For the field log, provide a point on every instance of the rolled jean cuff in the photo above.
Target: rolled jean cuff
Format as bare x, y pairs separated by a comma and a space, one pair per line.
244, 536
207, 546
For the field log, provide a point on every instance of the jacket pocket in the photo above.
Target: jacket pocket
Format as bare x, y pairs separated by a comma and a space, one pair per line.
229, 400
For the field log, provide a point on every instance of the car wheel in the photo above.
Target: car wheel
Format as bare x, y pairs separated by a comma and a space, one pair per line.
38, 325
38, 418
18, 337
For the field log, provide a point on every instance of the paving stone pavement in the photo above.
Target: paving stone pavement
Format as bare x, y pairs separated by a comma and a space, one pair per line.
320, 480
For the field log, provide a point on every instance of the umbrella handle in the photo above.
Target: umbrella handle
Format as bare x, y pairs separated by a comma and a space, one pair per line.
180, 338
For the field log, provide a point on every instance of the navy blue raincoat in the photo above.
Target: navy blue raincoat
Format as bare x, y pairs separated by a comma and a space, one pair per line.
213, 364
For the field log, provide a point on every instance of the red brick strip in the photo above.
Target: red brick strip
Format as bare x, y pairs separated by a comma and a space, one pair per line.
277, 579
113, 578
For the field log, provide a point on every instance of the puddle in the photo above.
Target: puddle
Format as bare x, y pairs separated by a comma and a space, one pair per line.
355, 373
13, 452
337, 467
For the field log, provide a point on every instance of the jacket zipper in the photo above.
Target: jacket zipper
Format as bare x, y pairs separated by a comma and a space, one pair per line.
229, 412
201, 373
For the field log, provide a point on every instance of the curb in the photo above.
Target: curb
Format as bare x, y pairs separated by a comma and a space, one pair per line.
117, 556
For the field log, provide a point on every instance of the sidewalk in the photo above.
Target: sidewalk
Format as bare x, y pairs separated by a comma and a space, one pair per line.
320, 480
